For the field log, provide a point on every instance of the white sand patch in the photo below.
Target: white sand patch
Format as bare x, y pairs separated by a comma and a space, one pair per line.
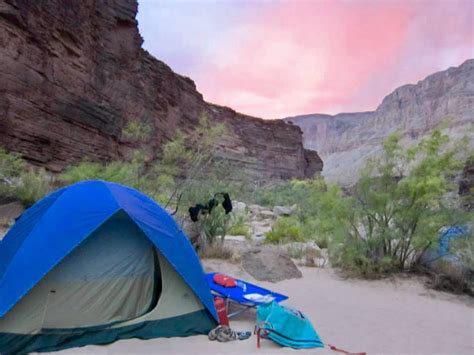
394, 316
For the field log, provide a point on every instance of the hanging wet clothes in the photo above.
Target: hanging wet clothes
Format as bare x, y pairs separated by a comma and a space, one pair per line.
225, 201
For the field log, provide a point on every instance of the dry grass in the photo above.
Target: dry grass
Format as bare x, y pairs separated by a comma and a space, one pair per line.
216, 251
451, 278
307, 256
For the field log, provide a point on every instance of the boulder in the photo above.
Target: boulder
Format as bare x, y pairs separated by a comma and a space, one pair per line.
239, 207
284, 210
269, 263
307, 254
267, 214
258, 212
259, 229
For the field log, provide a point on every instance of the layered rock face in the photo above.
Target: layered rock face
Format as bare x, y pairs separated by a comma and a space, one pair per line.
73, 75
345, 140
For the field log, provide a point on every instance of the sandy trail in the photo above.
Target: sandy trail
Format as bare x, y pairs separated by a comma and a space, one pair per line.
394, 316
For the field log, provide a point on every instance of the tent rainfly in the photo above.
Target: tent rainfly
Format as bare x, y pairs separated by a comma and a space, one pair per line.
95, 262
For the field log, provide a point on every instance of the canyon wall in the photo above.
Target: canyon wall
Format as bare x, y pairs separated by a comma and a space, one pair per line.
73, 75
444, 99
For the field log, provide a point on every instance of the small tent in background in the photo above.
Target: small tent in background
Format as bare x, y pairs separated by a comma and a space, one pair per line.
96, 262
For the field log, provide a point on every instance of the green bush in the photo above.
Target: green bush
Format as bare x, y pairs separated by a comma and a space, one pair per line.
239, 230
214, 225
394, 215
20, 181
32, 185
285, 229
11, 165
137, 131
280, 194
238, 225
117, 171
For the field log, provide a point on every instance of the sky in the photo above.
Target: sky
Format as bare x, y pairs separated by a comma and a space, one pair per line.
280, 58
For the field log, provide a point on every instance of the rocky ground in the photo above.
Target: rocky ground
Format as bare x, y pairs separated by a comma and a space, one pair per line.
266, 262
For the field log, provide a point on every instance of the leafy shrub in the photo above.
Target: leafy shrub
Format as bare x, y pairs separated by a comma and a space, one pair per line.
280, 194
137, 131
214, 226
285, 229
117, 171
397, 207
240, 230
22, 182
11, 166
32, 185
238, 225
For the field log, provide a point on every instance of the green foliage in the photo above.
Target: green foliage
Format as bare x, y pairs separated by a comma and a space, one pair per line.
397, 207
238, 225
318, 206
20, 181
390, 216
11, 165
239, 230
32, 185
116, 171
186, 172
281, 194
285, 229
193, 161
137, 131
214, 225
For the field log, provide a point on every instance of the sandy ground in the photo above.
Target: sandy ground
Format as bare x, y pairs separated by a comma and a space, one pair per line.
394, 316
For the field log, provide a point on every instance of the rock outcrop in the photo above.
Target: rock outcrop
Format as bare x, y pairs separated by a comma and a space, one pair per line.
270, 263
73, 75
345, 140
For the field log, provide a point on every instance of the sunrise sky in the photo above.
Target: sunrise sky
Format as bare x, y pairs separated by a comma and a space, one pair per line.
274, 59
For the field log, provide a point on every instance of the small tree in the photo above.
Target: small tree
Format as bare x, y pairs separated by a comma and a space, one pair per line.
398, 206
137, 131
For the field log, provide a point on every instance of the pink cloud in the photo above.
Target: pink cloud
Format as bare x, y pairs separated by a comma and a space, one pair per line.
304, 57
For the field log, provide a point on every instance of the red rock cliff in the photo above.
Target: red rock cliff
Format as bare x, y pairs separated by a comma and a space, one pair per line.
73, 74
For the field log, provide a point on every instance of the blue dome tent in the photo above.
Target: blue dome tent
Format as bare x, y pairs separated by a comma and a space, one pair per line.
95, 262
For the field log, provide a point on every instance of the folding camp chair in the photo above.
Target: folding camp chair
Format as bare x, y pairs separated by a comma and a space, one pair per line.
236, 294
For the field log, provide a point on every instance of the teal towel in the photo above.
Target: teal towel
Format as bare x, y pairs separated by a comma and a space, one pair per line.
287, 326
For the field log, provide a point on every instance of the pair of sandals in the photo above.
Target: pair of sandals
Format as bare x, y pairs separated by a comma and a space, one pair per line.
224, 334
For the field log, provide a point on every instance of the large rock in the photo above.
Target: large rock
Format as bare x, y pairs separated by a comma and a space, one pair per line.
284, 210
259, 229
345, 140
269, 263
239, 207
73, 75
